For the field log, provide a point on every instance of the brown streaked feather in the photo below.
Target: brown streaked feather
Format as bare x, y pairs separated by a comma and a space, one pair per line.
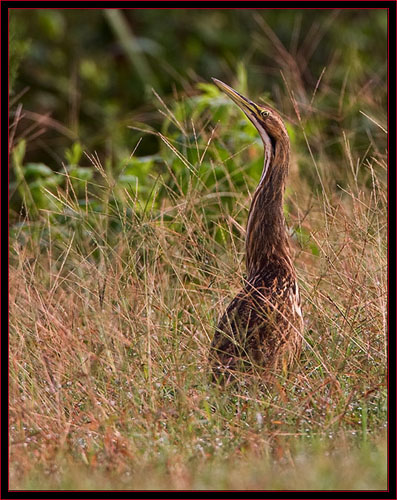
262, 325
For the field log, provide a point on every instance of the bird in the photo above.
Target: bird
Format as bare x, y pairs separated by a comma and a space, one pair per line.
262, 328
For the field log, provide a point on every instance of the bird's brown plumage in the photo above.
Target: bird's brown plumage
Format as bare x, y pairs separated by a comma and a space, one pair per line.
262, 326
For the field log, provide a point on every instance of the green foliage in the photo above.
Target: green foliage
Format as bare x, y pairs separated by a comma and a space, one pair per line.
93, 71
18, 49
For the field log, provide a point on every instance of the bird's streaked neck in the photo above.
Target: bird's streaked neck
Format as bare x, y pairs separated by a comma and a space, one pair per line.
269, 148
266, 238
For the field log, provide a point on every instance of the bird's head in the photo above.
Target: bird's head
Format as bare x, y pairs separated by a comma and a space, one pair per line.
266, 120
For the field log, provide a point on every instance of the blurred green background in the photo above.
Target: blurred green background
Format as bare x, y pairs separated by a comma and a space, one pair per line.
81, 77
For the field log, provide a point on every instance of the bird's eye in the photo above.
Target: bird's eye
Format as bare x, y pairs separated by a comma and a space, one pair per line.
264, 114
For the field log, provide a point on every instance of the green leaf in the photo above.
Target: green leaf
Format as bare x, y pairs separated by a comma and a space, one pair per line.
209, 89
35, 170
81, 173
18, 152
74, 153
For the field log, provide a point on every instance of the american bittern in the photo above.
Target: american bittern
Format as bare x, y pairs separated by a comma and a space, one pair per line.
262, 327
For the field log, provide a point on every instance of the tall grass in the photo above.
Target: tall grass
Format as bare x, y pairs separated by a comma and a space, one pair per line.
114, 295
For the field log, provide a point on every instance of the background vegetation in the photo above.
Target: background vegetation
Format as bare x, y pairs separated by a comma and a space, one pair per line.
131, 176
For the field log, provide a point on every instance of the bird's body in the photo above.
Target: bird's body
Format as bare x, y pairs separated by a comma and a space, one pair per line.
262, 326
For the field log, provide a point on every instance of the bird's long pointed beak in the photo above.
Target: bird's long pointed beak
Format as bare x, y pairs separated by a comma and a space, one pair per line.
242, 102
